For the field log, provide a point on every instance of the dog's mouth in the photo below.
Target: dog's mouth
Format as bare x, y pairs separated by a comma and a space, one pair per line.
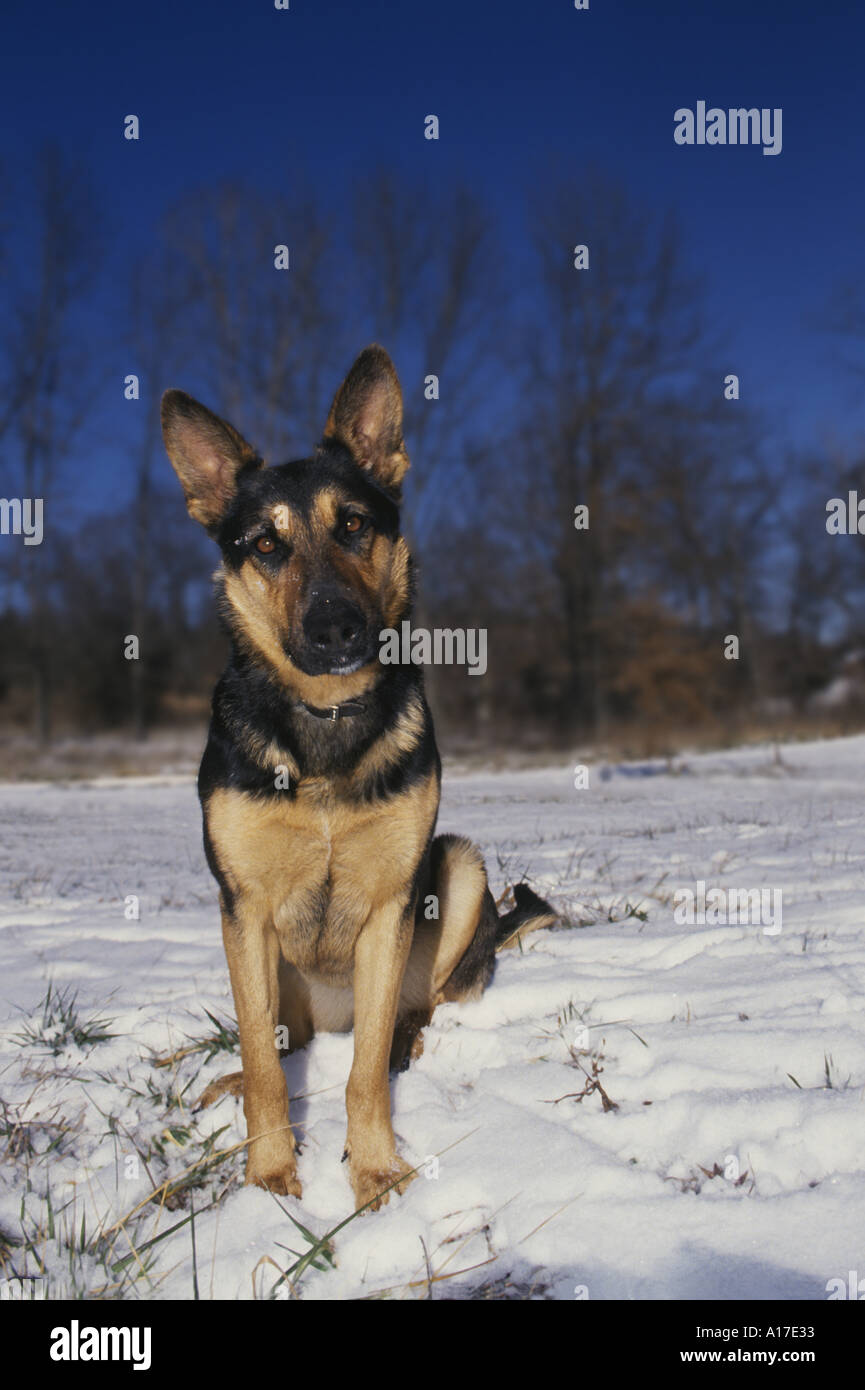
336, 636
313, 663
347, 665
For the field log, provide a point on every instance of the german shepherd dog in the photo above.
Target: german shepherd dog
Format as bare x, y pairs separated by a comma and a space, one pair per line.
320, 781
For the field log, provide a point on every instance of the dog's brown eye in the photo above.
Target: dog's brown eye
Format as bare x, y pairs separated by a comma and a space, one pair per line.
265, 545
353, 524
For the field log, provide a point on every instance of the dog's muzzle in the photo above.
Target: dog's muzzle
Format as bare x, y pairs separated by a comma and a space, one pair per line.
336, 636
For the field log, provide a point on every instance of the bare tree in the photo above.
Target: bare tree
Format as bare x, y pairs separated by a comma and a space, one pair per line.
616, 371
46, 379
265, 342
161, 305
426, 263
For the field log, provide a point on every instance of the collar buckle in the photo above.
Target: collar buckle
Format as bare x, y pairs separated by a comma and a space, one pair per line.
334, 712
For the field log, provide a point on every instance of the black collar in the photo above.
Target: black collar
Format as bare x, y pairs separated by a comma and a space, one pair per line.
334, 712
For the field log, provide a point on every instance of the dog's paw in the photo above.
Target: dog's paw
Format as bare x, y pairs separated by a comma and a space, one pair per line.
226, 1086
271, 1163
282, 1179
373, 1186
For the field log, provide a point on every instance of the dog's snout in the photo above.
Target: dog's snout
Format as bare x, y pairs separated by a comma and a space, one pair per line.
333, 625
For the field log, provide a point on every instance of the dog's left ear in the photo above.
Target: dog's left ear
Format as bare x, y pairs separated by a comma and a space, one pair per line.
208, 456
366, 416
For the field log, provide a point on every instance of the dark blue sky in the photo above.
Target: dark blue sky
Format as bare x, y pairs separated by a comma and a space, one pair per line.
333, 88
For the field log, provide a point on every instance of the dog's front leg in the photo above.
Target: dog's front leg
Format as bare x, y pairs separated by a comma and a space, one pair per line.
252, 950
380, 956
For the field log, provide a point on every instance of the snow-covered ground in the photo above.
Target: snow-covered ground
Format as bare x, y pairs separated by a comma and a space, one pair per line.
722, 1156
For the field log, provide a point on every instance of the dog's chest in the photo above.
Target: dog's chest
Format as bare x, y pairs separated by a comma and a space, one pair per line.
319, 867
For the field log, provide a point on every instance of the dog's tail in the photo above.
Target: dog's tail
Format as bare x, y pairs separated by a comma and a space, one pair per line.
530, 914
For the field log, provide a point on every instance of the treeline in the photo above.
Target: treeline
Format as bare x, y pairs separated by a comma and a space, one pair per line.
581, 486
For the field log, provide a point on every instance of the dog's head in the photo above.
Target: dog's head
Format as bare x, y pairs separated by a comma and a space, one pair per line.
313, 563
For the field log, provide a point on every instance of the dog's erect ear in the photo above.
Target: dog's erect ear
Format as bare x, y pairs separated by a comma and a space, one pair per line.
207, 454
366, 416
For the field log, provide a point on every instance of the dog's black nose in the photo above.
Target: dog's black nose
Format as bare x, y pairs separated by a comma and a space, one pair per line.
333, 625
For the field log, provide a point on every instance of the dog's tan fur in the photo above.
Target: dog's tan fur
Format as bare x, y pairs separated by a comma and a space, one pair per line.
358, 966
320, 887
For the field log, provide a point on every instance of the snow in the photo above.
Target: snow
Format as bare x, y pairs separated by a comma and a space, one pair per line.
524, 1191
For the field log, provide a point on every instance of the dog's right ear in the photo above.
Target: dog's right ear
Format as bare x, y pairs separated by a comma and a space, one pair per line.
207, 454
366, 417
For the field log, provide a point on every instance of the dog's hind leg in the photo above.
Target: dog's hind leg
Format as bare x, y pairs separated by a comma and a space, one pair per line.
453, 956
453, 952
230, 1085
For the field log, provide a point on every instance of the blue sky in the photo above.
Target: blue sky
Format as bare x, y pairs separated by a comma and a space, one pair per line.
331, 89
